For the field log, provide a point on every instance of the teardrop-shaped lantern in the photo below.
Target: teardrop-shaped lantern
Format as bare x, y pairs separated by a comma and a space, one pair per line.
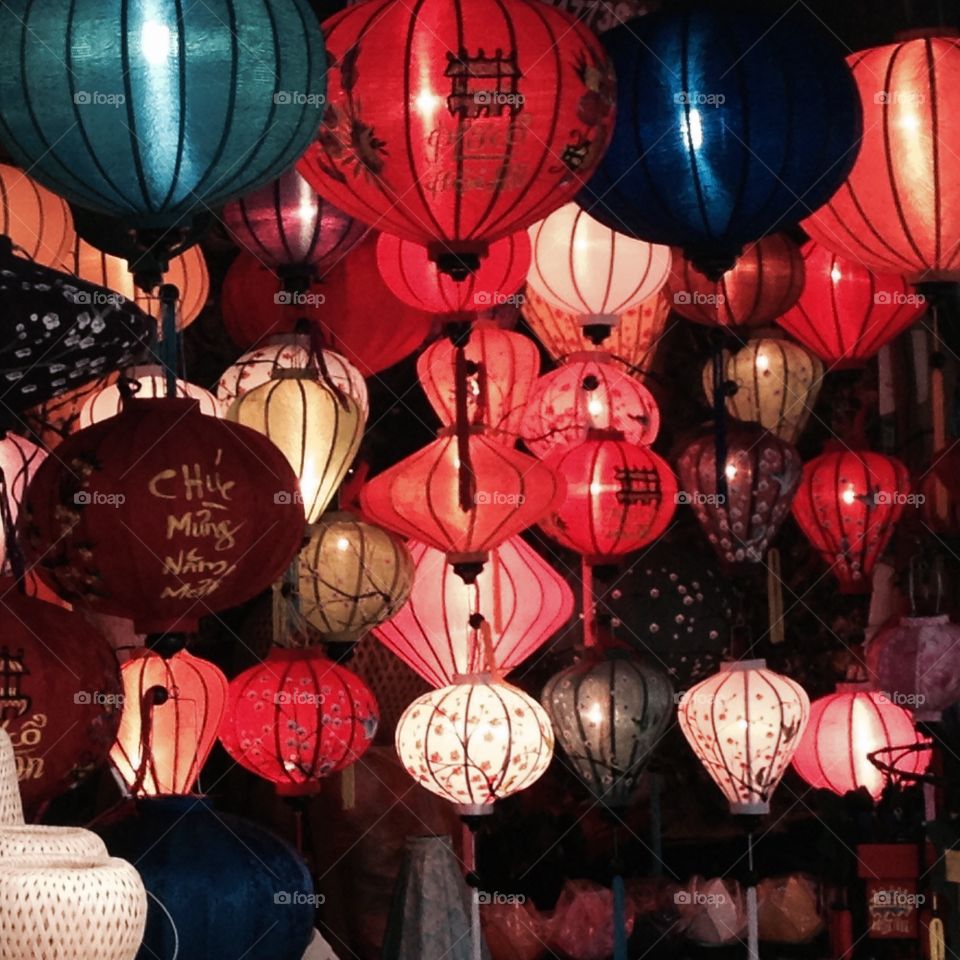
19, 460
37, 221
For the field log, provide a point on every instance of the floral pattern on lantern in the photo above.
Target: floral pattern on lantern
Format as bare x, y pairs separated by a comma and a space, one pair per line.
36, 220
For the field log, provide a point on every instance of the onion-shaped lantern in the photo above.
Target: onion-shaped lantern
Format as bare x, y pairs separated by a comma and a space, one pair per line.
608, 715
475, 742
37, 221
744, 724
760, 475
19, 460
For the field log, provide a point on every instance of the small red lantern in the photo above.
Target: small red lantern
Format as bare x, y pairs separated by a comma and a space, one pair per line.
171, 714
761, 473
620, 497
296, 718
846, 313
844, 729
847, 505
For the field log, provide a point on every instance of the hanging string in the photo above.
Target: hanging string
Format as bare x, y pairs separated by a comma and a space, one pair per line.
775, 597
938, 411
753, 923
495, 572
720, 422
656, 825
14, 555
470, 860
169, 343
619, 903
589, 607
466, 477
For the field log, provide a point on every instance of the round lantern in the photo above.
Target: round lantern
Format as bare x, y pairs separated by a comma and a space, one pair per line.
296, 718
776, 385
415, 279
914, 663
466, 131
847, 505
37, 221
608, 714
475, 742
846, 313
184, 108
318, 430
202, 494
761, 474
171, 714
587, 269
898, 211
501, 367
19, 459
351, 576
744, 724
764, 282
754, 122
517, 603
620, 497
290, 229
845, 728
587, 393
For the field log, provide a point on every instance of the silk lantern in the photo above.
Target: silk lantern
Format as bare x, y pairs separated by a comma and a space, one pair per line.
620, 497
755, 123
761, 474
202, 495
845, 728
475, 742
846, 313
847, 505
37, 221
776, 385
296, 718
497, 134
587, 393
744, 724
171, 714
19, 459
764, 282
609, 713
517, 603
899, 209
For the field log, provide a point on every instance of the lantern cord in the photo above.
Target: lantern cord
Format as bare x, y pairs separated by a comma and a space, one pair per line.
495, 573
720, 424
173, 925
473, 881
938, 408
775, 597
589, 607
619, 901
753, 925
319, 360
169, 342
466, 477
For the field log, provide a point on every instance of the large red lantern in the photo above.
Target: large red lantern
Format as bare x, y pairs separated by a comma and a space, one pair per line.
482, 120
517, 602
171, 714
620, 497
297, 718
844, 729
162, 515
846, 313
847, 505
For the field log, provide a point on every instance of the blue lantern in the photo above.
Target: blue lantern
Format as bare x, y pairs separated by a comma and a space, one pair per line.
730, 125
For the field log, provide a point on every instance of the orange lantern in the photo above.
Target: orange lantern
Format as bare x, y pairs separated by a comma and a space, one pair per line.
35, 219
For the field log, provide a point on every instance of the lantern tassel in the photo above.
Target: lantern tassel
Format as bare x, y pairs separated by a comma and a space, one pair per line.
169, 345
753, 921
775, 597
467, 479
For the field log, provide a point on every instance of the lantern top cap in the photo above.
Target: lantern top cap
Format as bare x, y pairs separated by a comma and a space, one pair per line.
854, 686
741, 666
484, 677
588, 356
926, 33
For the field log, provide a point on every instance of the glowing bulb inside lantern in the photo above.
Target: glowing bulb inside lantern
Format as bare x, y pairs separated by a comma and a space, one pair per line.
730, 471
595, 714
343, 543
835, 275
763, 361
692, 126
595, 407
155, 42
596, 487
427, 102
849, 495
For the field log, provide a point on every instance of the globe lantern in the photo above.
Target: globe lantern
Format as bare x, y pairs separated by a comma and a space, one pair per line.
846, 313
744, 725
587, 393
517, 603
537, 124
171, 714
847, 505
297, 718
19, 459
760, 477
608, 715
202, 495
754, 123
37, 221
845, 728
475, 742
897, 212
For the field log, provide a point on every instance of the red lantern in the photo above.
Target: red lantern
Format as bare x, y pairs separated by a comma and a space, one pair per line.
761, 474
844, 728
296, 718
171, 714
19, 459
162, 515
847, 505
620, 497
764, 282
518, 598
846, 313
899, 210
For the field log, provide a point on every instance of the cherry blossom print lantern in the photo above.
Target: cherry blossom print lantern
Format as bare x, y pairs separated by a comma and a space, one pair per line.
846, 313
38, 222
466, 132
845, 728
19, 459
297, 718
847, 505
475, 742
744, 725
517, 603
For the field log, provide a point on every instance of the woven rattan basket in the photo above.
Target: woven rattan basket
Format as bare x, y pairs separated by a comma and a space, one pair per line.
29, 842
11, 809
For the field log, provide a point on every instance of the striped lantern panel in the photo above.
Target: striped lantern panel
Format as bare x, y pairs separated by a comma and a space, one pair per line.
37, 221
19, 459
